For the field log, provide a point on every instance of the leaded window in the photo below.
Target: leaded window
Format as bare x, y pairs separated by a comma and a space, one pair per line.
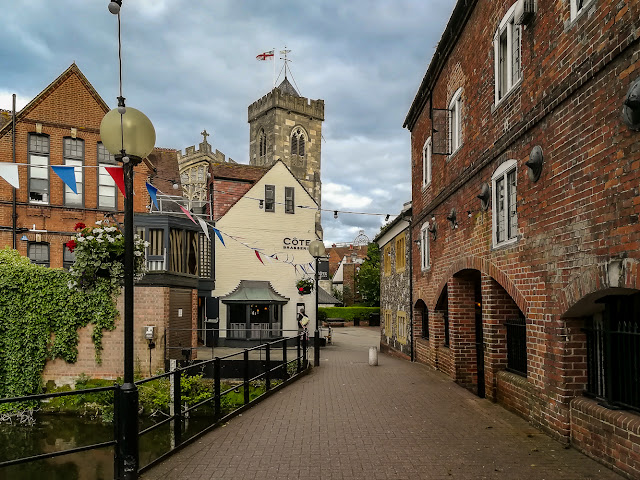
507, 50
38, 168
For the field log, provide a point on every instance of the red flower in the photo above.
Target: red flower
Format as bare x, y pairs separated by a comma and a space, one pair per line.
79, 226
71, 244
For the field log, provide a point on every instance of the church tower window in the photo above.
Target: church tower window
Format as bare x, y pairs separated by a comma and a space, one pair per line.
298, 142
262, 141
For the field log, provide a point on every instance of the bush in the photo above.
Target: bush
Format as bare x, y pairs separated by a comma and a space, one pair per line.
322, 315
348, 314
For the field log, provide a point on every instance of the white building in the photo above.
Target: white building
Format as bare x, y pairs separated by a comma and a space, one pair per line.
258, 297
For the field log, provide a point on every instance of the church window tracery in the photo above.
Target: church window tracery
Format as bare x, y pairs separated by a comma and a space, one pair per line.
298, 142
262, 142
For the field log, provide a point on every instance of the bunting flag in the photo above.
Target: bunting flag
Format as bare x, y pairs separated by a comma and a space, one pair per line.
117, 173
219, 235
205, 227
186, 212
302, 267
311, 267
258, 255
9, 172
153, 193
265, 56
67, 175
274, 256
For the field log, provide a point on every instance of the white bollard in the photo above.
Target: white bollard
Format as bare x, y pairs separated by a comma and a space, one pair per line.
373, 356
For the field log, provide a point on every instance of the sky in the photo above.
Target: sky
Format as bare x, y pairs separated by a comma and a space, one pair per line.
191, 65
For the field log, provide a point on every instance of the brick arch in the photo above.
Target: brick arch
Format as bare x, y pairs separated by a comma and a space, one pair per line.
472, 262
616, 273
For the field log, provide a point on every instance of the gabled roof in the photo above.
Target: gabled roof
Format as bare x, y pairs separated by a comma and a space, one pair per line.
249, 291
325, 298
238, 171
72, 70
287, 88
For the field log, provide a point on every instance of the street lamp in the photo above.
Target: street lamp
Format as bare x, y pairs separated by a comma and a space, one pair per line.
316, 249
129, 135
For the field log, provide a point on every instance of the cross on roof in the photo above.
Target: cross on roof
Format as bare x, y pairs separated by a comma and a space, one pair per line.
205, 135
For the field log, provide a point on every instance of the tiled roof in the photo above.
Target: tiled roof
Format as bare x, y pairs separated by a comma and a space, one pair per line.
237, 171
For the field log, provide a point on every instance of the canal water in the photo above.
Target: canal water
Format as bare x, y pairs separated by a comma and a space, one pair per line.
52, 433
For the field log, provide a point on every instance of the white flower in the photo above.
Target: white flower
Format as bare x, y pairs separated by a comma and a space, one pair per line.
97, 230
137, 253
99, 240
90, 237
81, 239
99, 222
111, 239
146, 244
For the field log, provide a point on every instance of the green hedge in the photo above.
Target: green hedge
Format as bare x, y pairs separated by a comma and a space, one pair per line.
348, 314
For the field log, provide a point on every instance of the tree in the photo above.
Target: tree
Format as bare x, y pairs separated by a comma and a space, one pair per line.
368, 278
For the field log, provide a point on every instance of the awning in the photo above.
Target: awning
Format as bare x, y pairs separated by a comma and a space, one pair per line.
254, 291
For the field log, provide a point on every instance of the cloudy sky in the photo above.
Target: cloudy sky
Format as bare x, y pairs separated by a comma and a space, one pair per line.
191, 65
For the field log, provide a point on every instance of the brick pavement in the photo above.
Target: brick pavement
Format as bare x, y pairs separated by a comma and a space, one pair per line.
348, 420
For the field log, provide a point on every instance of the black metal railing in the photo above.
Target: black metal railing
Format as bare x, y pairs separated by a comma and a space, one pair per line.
275, 367
517, 346
613, 364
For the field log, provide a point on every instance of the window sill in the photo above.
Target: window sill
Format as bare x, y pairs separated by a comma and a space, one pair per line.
506, 243
453, 154
426, 185
504, 98
583, 11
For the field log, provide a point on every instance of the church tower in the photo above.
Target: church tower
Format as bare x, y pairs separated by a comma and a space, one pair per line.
285, 126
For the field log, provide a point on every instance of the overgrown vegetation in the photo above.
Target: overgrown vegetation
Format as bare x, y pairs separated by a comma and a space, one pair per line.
368, 277
39, 320
348, 314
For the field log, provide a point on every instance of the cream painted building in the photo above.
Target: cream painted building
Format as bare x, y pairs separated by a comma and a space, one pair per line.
259, 300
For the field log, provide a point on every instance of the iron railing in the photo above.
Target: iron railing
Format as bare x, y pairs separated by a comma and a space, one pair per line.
613, 364
275, 367
517, 346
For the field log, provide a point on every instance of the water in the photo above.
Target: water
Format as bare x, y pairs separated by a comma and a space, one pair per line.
53, 433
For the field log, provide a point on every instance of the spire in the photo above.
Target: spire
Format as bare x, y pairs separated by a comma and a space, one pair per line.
286, 87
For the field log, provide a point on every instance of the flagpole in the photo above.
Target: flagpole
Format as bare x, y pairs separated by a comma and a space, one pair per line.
274, 67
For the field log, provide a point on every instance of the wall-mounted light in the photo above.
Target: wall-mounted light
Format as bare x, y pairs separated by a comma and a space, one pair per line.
175, 185
452, 219
433, 218
386, 219
433, 230
335, 214
535, 163
261, 205
484, 196
631, 107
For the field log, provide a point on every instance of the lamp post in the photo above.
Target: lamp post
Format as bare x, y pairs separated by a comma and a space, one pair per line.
317, 250
129, 135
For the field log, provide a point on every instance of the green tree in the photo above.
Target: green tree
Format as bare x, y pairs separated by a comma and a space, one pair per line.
368, 278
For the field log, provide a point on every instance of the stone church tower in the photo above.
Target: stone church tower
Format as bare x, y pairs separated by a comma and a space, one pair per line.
285, 126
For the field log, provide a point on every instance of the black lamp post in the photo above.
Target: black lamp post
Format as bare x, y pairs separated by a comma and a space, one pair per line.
317, 250
129, 135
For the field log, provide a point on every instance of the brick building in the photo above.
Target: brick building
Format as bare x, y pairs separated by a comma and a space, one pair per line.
525, 201
344, 264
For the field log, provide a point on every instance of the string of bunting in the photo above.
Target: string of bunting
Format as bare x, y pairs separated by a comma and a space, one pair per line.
259, 252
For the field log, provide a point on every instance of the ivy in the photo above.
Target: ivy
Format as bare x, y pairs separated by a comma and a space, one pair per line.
39, 320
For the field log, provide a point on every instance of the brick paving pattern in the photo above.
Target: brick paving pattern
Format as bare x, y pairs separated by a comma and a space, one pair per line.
348, 420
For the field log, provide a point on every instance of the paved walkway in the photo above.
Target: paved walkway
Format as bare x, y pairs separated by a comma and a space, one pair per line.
348, 420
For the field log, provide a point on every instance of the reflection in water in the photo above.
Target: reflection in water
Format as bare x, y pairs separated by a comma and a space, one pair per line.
52, 433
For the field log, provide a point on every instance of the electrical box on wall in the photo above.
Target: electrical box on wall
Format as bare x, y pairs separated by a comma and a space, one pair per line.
149, 332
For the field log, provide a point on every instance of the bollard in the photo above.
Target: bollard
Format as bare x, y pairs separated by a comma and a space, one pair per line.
373, 356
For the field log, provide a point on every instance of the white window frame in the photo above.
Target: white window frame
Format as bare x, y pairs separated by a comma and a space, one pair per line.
455, 141
575, 11
508, 26
39, 168
107, 188
510, 223
425, 248
427, 150
71, 199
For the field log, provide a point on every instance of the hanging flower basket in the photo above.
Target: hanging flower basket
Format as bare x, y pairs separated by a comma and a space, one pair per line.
304, 286
99, 253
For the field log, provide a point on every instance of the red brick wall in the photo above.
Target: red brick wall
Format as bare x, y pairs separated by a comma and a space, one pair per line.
226, 194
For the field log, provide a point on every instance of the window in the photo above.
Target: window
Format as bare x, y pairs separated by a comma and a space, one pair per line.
387, 260
425, 261
288, 200
579, 6
73, 149
455, 127
68, 257
38, 253
38, 168
517, 346
205, 256
506, 45
505, 217
156, 249
388, 324
298, 142
269, 198
400, 253
262, 144
402, 327
426, 163
106, 185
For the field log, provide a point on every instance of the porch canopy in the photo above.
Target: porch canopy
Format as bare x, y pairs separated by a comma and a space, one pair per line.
254, 291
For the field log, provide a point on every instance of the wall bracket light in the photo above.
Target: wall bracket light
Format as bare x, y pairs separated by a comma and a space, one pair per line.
453, 219
485, 196
535, 163
433, 230
631, 107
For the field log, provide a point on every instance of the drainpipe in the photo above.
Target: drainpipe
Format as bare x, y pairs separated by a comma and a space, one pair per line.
13, 144
411, 286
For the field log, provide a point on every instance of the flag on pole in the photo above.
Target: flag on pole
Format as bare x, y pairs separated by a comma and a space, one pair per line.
265, 55
10, 173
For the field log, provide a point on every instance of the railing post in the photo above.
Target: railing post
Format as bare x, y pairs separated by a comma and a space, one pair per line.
246, 376
177, 409
305, 343
267, 373
216, 388
298, 361
285, 374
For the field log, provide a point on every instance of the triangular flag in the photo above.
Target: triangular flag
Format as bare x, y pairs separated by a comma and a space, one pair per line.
67, 175
10, 173
205, 227
219, 235
302, 267
117, 173
153, 193
274, 256
311, 267
258, 255
186, 212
